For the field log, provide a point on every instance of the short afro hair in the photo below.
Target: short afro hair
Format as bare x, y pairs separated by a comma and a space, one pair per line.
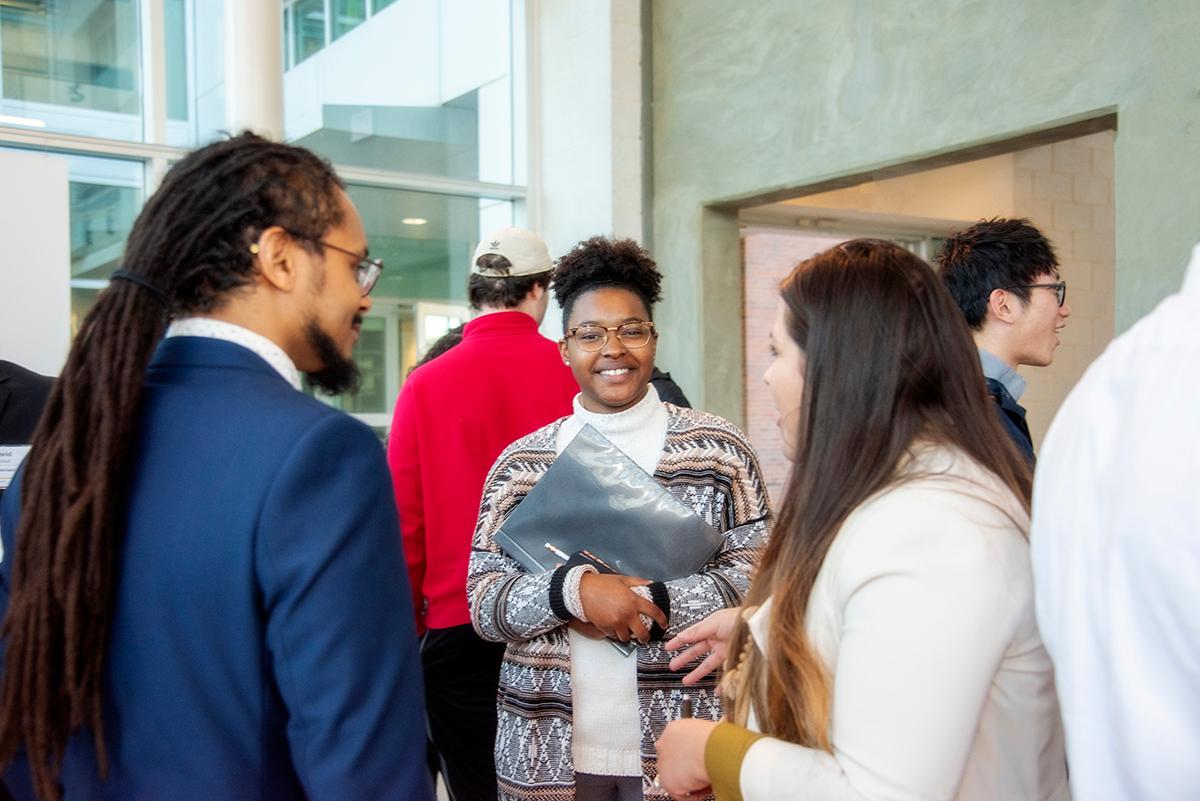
603, 262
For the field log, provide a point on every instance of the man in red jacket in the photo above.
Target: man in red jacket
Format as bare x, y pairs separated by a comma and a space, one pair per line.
454, 416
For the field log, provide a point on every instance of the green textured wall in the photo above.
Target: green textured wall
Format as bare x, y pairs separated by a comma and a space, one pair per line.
757, 100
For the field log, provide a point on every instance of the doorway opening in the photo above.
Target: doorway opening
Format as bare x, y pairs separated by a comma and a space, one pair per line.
1065, 188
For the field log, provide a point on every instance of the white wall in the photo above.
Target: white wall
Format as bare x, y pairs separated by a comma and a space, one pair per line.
35, 293
253, 51
386, 61
589, 120
590, 94
473, 37
412, 53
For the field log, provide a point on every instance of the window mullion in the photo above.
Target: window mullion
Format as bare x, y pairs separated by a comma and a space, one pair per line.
328, 22
154, 72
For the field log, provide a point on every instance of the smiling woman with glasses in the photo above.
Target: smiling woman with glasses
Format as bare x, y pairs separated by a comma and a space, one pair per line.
561, 682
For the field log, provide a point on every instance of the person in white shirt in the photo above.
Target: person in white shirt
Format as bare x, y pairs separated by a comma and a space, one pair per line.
1116, 557
887, 648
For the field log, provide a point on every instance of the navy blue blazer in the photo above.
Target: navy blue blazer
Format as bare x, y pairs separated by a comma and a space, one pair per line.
1012, 417
262, 641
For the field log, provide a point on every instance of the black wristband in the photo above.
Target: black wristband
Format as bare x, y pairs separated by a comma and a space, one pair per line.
662, 599
558, 604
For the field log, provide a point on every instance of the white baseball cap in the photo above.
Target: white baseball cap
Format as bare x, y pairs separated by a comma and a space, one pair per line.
525, 251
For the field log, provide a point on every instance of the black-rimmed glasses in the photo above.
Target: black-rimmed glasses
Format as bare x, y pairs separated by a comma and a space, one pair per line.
1059, 287
634, 334
366, 271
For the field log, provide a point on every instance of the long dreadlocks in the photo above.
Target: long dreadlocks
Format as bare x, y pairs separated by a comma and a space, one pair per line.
189, 248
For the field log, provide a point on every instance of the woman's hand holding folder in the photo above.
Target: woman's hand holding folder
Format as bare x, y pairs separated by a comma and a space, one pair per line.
611, 606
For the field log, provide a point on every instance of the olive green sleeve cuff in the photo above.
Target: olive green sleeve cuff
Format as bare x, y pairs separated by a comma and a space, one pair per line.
723, 755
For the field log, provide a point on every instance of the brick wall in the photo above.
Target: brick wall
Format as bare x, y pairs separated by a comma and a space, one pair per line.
768, 258
1066, 190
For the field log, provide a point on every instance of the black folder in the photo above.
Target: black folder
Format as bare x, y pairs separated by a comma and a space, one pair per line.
594, 498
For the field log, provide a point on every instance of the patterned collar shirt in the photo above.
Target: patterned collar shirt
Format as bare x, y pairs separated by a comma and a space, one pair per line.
270, 353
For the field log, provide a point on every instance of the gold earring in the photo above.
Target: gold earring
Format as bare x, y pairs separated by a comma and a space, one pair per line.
254, 248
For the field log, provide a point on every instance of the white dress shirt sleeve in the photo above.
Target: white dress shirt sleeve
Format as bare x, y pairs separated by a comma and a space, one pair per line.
927, 613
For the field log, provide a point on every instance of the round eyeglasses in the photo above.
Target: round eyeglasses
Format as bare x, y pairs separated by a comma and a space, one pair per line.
366, 271
634, 334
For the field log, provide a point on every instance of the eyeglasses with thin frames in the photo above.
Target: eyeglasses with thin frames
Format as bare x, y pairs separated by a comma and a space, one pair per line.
366, 271
633, 334
1059, 287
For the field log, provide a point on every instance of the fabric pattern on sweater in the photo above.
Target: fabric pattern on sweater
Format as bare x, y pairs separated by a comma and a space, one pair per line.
707, 464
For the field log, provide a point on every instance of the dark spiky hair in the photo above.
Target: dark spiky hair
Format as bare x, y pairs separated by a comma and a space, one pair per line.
993, 254
603, 262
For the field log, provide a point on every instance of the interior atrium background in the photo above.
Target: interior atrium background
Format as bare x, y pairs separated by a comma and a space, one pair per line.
419, 112
676, 122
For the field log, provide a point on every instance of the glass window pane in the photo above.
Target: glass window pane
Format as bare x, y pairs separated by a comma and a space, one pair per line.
73, 67
435, 326
308, 28
379, 5
370, 352
105, 198
208, 65
348, 15
175, 28
426, 91
425, 241
289, 59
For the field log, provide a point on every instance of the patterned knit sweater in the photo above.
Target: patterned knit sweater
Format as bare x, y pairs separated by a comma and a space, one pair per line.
708, 464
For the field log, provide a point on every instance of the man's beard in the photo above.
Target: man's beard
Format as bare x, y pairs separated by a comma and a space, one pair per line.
340, 374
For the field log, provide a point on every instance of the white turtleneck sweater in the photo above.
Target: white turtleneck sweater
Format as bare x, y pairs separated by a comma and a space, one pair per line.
607, 727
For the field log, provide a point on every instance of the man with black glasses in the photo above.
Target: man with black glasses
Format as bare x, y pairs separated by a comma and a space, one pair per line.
202, 573
454, 416
1004, 276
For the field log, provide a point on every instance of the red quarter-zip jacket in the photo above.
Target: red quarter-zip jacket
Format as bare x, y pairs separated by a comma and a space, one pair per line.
454, 416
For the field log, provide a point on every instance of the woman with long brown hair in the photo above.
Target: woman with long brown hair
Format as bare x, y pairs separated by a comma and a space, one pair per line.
888, 646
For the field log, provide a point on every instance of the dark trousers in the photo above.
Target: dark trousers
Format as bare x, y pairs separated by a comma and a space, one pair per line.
590, 787
462, 674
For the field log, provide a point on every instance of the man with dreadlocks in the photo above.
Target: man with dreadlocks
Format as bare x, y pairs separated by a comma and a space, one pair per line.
205, 593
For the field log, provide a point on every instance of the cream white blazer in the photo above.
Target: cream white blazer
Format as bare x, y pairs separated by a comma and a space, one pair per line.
923, 612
